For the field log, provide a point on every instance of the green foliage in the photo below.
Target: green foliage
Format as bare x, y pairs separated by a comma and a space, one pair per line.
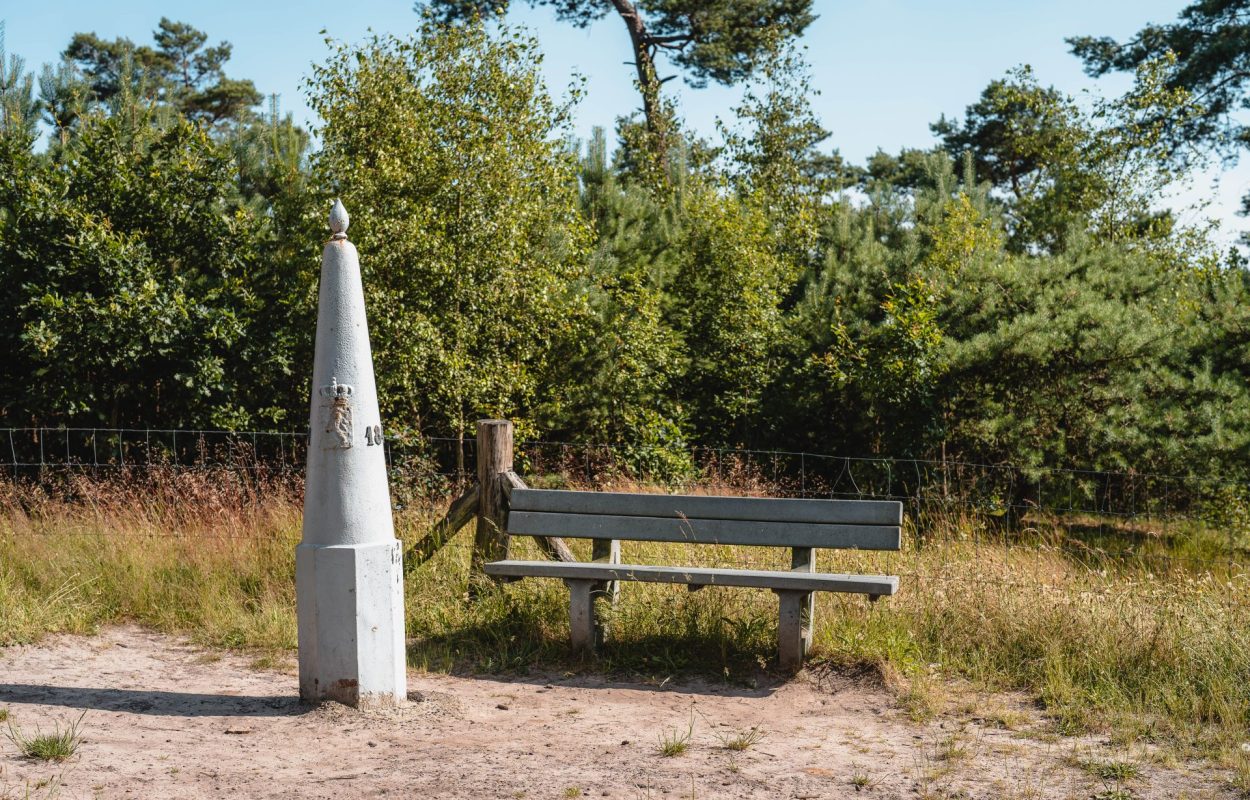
1017, 296
720, 40
66, 96
129, 270
57, 746
942, 341
773, 157
676, 741
19, 111
619, 379
442, 145
725, 302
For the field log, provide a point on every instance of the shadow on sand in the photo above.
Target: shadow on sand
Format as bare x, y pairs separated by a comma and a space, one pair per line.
158, 703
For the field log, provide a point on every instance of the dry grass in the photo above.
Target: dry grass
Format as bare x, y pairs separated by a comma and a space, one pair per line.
200, 553
1146, 648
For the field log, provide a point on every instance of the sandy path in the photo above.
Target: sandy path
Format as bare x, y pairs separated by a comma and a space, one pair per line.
168, 720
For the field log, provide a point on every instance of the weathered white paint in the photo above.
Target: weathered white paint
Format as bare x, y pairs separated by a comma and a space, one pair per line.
348, 566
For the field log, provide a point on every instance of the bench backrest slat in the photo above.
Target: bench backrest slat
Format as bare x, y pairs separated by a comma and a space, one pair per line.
759, 509
705, 531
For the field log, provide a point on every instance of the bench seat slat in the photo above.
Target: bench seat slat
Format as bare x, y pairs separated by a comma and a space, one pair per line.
758, 509
698, 576
704, 531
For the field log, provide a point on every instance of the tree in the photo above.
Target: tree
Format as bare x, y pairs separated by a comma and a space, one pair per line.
1065, 172
1209, 52
620, 379
772, 155
19, 110
1031, 143
719, 40
444, 147
179, 71
866, 335
66, 96
1098, 357
1014, 131
1210, 43
725, 301
924, 336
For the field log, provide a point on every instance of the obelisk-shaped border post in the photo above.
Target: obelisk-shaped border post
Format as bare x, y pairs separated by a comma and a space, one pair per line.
348, 566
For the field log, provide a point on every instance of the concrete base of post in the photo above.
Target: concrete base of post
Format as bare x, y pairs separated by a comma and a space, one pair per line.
350, 609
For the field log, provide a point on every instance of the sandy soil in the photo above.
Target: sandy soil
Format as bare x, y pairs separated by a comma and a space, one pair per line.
165, 719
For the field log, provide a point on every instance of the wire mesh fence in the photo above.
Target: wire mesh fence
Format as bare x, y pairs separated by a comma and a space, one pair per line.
1164, 522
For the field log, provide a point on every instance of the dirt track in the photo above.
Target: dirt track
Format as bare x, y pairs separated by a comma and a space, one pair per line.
168, 720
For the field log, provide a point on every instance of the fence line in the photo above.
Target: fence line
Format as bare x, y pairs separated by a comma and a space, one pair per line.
68, 446
1113, 514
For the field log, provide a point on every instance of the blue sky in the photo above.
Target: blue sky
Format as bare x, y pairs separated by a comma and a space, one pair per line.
885, 68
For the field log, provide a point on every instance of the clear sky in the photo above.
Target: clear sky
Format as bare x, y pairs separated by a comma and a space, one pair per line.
885, 68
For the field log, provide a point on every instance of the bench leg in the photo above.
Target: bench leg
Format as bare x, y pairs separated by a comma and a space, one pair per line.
581, 615
792, 637
607, 551
803, 559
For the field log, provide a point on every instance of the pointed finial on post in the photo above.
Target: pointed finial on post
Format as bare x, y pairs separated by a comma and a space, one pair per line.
339, 220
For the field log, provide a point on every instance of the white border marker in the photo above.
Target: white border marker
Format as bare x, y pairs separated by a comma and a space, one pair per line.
348, 566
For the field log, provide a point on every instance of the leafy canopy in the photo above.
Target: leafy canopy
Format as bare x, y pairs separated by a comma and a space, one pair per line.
1064, 172
180, 70
1211, 45
719, 40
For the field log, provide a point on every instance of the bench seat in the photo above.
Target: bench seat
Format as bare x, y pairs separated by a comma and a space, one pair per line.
876, 585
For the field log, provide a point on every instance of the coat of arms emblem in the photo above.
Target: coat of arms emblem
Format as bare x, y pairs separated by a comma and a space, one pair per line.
336, 415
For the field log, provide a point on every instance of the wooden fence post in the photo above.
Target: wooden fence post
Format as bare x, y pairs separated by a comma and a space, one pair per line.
494, 459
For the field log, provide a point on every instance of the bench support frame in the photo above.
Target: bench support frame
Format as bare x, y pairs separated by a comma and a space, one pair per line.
802, 559
794, 630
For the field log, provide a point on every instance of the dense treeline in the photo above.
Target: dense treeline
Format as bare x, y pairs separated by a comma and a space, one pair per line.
1013, 295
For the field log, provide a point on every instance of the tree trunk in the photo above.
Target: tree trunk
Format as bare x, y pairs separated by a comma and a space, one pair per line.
648, 81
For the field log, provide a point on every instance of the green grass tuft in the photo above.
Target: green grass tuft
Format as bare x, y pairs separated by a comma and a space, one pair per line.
742, 740
675, 741
1112, 770
58, 745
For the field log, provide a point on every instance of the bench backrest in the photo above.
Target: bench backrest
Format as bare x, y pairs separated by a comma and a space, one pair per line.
701, 519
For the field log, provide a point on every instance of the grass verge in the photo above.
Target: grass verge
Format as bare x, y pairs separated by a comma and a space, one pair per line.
1141, 644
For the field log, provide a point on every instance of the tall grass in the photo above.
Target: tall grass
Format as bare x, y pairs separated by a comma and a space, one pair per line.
1152, 642
197, 552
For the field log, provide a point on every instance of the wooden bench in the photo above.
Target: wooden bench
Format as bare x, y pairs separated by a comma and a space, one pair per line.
608, 518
